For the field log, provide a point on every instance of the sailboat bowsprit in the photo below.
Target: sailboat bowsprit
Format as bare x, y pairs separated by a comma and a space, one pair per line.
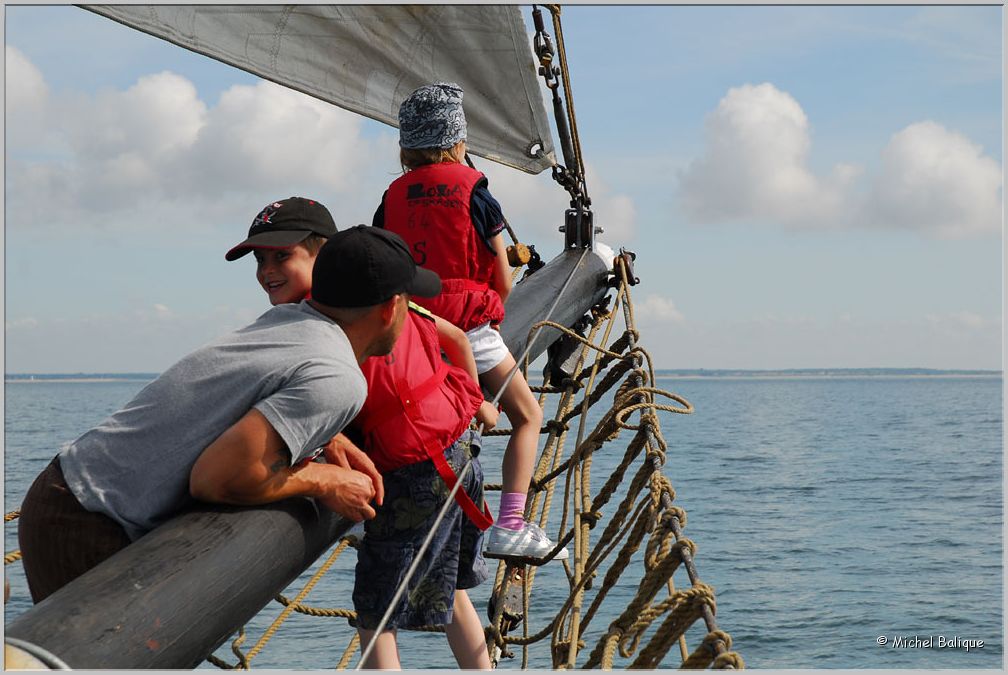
170, 599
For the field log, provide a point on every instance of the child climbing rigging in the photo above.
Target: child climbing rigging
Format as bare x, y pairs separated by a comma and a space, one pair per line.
452, 225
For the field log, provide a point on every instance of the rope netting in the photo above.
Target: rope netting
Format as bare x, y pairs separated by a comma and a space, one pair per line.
643, 531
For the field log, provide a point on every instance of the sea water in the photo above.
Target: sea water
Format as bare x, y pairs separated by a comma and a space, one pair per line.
831, 514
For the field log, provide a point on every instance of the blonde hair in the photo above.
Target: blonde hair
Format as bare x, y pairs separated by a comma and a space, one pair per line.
313, 243
413, 158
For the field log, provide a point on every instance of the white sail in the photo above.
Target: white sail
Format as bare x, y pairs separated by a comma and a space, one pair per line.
368, 58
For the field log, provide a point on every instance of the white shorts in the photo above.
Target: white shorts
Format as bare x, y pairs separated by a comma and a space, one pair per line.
488, 347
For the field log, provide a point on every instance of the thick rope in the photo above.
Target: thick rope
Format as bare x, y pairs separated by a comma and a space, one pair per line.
13, 556
275, 626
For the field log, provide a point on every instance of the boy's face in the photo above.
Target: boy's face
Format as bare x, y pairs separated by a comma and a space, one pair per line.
284, 273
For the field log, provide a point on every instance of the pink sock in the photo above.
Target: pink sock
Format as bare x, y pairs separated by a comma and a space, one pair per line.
511, 515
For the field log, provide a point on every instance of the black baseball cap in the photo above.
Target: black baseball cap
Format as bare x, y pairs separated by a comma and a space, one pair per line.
363, 266
285, 223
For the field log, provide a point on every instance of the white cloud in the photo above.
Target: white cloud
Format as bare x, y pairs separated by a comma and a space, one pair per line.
657, 308
959, 321
162, 312
535, 206
755, 166
21, 324
262, 135
24, 85
160, 116
153, 154
156, 153
614, 213
26, 98
938, 181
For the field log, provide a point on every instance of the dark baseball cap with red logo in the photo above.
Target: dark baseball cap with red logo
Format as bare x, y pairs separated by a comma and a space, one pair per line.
285, 223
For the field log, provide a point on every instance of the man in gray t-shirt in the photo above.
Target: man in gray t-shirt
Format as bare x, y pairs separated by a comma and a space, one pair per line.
235, 421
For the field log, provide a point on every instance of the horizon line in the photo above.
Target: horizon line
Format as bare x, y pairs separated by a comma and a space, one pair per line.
815, 369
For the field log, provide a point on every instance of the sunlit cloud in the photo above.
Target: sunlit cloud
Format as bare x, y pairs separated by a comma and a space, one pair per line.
938, 181
755, 166
155, 153
657, 308
535, 204
961, 320
27, 322
26, 97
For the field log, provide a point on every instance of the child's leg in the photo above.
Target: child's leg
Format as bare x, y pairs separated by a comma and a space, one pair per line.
511, 536
465, 635
525, 415
385, 655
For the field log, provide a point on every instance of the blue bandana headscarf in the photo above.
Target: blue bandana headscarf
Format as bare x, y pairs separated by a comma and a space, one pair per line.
432, 117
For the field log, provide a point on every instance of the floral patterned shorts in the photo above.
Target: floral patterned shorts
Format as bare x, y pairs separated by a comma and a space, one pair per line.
414, 495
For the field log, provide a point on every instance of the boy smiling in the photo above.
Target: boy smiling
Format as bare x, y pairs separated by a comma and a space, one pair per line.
285, 237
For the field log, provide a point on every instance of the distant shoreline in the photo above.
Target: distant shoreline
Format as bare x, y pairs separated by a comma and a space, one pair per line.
695, 373
33, 378
838, 373
770, 375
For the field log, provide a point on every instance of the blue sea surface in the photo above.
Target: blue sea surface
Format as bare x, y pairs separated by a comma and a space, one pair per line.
830, 513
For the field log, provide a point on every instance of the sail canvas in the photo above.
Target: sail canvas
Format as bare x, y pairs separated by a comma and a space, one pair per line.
367, 59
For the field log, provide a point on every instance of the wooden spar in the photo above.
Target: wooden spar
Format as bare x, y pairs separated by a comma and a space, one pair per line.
172, 597
531, 299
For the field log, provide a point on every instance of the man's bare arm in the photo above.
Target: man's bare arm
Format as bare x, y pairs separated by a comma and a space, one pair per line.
249, 464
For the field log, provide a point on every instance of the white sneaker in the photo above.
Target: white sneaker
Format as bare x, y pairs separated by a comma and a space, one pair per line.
528, 542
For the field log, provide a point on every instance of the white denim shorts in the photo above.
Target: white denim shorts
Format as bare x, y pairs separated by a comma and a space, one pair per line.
488, 347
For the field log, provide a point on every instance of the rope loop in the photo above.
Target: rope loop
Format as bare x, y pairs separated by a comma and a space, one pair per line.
707, 651
687, 544
556, 426
676, 512
220, 663
729, 660
571, 384
494, 633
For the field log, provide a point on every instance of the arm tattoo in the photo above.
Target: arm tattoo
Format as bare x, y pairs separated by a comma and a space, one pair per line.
283, 461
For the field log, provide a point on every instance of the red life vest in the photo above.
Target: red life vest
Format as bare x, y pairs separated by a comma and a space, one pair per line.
418, 405
429, 208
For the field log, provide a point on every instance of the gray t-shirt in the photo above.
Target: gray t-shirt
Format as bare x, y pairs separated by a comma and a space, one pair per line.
293, 364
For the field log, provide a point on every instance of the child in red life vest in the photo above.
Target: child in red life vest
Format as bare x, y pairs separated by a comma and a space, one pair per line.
452, 224
415, 426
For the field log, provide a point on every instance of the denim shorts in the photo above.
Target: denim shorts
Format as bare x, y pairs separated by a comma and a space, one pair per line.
414, 495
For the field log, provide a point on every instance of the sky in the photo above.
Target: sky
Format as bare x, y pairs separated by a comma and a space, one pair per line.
804, 186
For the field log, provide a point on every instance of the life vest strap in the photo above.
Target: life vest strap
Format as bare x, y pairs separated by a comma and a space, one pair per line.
457, 285
481, 518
